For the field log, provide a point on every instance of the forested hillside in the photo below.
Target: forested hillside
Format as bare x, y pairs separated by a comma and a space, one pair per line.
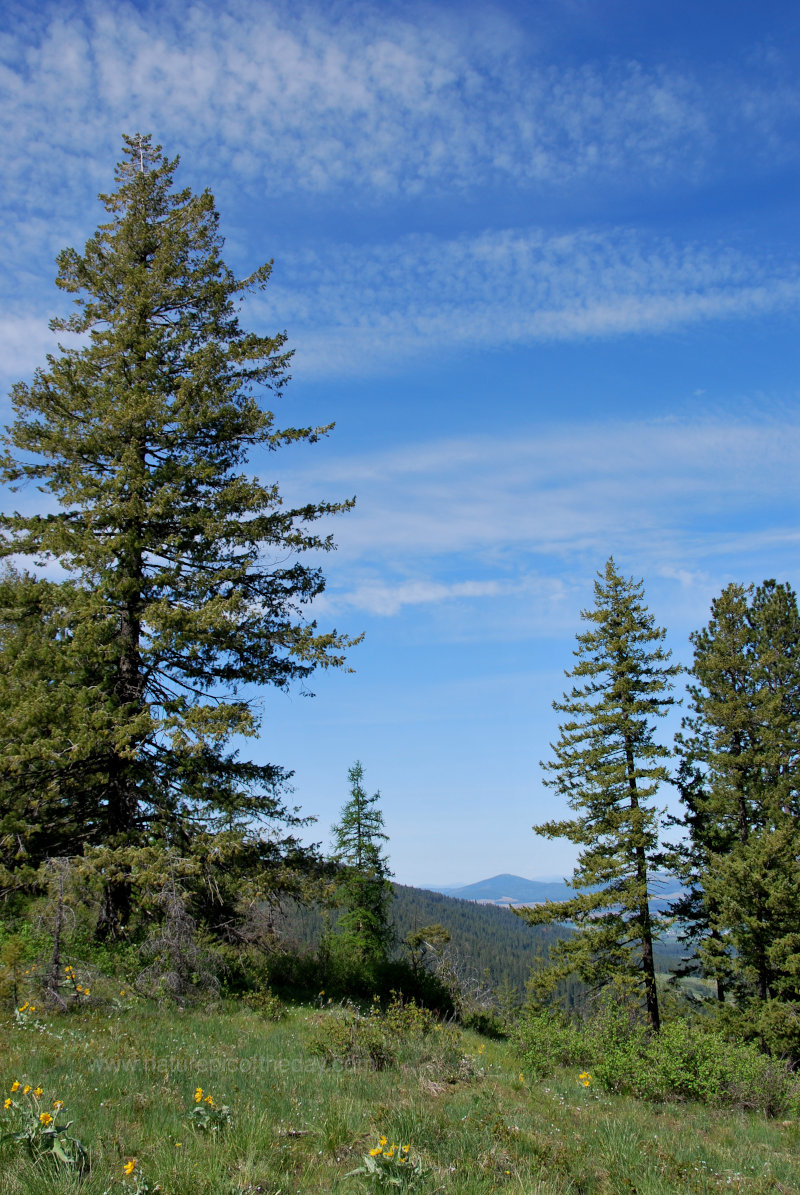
486, 941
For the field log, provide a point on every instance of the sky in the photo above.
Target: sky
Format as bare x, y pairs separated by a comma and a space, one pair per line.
538, 263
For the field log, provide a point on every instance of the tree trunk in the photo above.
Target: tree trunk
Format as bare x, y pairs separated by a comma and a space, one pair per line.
648, 964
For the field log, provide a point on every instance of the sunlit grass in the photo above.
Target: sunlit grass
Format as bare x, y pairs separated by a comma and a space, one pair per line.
129, 1080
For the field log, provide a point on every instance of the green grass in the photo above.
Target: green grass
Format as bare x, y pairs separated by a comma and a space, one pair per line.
128, 1079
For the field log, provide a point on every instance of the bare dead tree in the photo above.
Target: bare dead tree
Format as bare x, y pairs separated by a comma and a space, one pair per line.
179, 969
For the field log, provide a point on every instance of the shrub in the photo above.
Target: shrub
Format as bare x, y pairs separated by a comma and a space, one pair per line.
265, 1002
687, 1060
407, 1018
547, 1039
351, 1039
485, 1021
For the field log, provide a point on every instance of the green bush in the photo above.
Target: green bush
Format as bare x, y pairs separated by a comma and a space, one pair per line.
485, 1021
547, 1040
265, 1002
690, 1062
407, 1019
687, 1060
348, 1038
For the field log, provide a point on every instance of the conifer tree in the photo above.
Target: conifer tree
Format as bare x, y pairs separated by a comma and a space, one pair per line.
608, 767
363, 888
186, 588
739, 778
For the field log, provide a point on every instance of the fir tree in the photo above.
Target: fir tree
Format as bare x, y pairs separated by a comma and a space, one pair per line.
739, 749
363, 887
185, 589
607, 766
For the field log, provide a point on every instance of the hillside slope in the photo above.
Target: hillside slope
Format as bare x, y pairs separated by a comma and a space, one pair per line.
486, 940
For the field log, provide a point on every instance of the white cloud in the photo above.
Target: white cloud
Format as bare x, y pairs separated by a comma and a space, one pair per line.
297, 97
390, 598
679, 497
357, 309
268, 100
361, 310
499, 540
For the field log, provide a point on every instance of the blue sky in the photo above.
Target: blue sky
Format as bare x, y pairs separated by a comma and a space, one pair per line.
538, 262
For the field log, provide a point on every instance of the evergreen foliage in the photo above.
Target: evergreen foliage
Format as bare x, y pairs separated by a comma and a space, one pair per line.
363, 887
738, 779
607, 766
184, 591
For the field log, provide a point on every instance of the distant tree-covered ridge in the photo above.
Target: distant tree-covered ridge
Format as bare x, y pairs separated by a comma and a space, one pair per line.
486, 941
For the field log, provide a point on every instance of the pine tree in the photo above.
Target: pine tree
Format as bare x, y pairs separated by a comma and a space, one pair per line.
185, 590
607, 766
363, 887
739, 747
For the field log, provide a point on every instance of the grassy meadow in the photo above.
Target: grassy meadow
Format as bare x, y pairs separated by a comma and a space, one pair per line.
300, 1103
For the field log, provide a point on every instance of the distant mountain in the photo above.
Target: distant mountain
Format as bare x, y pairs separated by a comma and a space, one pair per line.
510, 889
516, 890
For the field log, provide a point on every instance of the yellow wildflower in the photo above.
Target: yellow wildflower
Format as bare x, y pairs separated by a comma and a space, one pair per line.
26, 1089
45, 1118
198, 1095
24, 1006
32, 1008
8, 1103
406, 1148
373, 1153
58, 1105
129, 1167
384, 1140
86, 992
208, 1100
178, 1144
38, 1093
15, 1086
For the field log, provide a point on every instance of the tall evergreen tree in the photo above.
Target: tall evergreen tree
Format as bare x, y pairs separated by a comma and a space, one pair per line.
739, 779
363, 888
607, 766
185, 584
